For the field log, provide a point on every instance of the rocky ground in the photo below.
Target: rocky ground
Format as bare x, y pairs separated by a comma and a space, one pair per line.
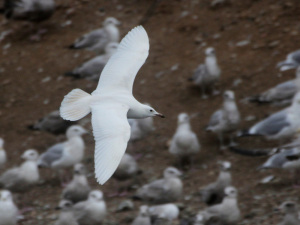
249, 36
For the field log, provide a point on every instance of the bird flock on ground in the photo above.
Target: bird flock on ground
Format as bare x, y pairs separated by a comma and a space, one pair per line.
118, 118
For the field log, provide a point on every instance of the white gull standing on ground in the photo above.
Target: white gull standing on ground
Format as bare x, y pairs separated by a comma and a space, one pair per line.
143, 217
66, 216
291, 214
97, 40
207, 74
21, 178
8, 209
2, 154
292, 61
92, 69
169, 210
112, 103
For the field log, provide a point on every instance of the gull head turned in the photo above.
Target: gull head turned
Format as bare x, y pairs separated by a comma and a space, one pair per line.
210, 51
30, 155
183, 118
75, 131
95, 195
111, 21
228, 95
148, 111
5, 196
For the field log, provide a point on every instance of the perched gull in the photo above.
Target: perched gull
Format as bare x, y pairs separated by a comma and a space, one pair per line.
144, 216
170, 211
2, 154
65, 154
52, 123
184, 142
8, 209
290, 211
279, 126
112, 103
165, 190
226, 119
96, 40
292, 61
281, 94
214, 193
66, 216
78, 189
20, 178
207, 74
91, 211
92, 69
140, 127
228, 211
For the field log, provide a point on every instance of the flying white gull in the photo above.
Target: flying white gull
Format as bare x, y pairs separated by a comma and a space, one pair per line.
207, 74
112, 103
292, 61
2, 154
92, 69
96, 40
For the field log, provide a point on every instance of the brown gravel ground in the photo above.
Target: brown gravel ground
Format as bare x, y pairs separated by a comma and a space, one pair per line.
273, 30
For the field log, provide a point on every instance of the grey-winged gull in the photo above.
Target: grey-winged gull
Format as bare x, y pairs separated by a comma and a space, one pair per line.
226, 119
97, 40
8, 209
24, 176
207, 74
165, 190
291, 214
92, 69
112, 103
185, 142
292, 61
143, 217
78, 189
2, 154
52, 123
66, 216
214, 192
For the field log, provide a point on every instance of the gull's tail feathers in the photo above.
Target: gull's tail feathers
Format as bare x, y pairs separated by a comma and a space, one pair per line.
75, 105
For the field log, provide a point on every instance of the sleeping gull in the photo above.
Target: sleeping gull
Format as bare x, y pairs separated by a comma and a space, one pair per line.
290, 211
292, 61
170, 211
2, 154
52, 123
279, 126
143, 217
8, 209
165, 190
92, 69
214, 192
65, 154
112, 103
91, 211
184, 142
21, 178
282, 93
207, 74
78, 189
96, 40
66, 216
226, 119
227, 212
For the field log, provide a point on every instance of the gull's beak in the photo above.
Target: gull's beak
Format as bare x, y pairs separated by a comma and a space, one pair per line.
160, 115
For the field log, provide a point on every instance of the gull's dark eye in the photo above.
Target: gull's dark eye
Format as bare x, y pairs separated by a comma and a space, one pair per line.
151, 110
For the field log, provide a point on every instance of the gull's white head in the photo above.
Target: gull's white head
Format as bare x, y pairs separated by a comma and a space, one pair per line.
1, 143
183, 118
288, 207
230, 192
210, 51
95, 195
144, 211
79, 169
65, 205
225, 166
5, 195
111, 21
228, 95
172, 172
148, 111
30, 155
75, 131
111, 47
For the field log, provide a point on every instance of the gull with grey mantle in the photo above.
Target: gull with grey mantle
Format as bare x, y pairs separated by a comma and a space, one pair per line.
23, 177
92, 69
184, 142
207, 74
168, 189
214, 192
226, 119
8, 209
291, 214
112, 103
78, 189
97, 40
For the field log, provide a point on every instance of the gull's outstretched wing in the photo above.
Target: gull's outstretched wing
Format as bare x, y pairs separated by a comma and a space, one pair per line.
120, 71
112, 132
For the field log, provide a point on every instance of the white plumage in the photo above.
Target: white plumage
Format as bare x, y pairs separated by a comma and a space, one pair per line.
8, 209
